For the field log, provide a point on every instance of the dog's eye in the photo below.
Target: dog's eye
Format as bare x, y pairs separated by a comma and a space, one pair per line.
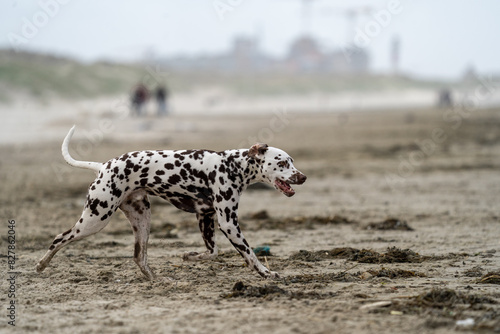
283, 164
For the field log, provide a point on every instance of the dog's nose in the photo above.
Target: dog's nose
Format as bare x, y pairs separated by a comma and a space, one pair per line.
299, 178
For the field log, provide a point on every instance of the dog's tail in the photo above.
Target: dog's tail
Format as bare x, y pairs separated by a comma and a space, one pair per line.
95, 166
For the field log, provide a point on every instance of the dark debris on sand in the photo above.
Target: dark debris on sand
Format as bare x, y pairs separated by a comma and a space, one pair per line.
447, 305
264, 221
490, 278
390, 224
393, 255
395, 273
346, 276
270, 291
241, 289
441, 298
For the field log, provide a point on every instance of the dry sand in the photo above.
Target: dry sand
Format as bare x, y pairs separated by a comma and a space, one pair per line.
429, 269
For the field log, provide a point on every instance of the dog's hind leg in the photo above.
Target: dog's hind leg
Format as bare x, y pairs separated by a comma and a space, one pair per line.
206, 223
136, 208
94, 218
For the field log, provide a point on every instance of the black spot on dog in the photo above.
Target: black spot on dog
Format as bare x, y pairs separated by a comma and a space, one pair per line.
174, 179
92, 205
227, 212
183, 202
137, 249
124, 157
227, 194
129, 164
198, 154
241, 248
169, 166
211, 176
138, 208
115, 192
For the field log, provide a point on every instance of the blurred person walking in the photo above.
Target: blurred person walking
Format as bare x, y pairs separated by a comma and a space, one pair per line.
162, 100
139, 98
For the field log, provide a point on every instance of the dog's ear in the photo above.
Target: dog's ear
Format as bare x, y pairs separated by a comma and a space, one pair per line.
257, 149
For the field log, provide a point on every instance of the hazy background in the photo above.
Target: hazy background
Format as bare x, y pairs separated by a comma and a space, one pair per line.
240, 56
438, 38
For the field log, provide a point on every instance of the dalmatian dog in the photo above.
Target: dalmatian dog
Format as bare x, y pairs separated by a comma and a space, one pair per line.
203, 182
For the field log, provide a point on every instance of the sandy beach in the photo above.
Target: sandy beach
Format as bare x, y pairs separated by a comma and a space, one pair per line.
395, 231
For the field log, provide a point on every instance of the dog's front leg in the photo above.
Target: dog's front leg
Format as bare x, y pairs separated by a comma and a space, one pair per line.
228, 224
206, 222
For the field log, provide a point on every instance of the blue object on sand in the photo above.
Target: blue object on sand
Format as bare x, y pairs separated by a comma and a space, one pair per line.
262, 251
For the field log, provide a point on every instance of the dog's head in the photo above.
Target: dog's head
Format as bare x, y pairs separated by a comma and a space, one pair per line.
276, 168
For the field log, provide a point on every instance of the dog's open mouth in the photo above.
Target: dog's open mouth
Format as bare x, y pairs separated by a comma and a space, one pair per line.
284, 188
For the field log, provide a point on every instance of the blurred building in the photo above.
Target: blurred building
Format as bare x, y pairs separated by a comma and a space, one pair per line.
305, 55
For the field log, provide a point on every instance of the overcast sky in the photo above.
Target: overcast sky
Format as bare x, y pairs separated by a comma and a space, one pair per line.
438, 38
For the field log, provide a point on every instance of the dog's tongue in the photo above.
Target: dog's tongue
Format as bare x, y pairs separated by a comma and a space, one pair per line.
285, 188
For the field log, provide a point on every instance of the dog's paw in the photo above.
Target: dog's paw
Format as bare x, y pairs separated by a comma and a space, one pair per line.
150, 275
272, 275
190, 256
40, 267
195, 256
